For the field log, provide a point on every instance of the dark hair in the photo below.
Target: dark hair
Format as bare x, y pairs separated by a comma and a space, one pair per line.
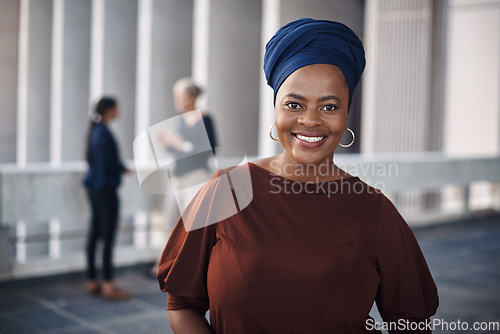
102, 107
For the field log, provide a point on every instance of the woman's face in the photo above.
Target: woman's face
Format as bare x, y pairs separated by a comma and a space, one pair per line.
311, 112
183, 101
112, 113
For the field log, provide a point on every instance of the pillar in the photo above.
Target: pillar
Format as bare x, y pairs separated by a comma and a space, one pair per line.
75, 79
234, 71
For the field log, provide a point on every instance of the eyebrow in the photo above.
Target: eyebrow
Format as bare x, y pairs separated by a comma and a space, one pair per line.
302, 98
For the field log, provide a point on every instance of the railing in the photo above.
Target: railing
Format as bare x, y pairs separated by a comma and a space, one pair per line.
44, 216
429, 188
44, 212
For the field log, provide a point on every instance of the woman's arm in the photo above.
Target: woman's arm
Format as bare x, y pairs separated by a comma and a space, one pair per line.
406, 289
172, 140
188, 322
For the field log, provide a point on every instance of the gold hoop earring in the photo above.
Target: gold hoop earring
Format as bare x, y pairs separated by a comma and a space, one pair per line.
271, 132
352, 142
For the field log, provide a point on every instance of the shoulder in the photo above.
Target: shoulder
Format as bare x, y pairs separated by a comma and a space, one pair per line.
102, 129
101, 132
214, 202
207, 118
233, 169
385, 205
266, 163
389, 219
372, 196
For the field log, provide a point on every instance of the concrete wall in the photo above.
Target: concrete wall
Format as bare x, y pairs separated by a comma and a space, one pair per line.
39, 72
234, 69
234, 65
171, 53
76, 58
472, 102
120, 39
9, 34
233, 54
398, 103
348, 12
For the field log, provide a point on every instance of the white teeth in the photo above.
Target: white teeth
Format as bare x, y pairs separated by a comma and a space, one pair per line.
310, 139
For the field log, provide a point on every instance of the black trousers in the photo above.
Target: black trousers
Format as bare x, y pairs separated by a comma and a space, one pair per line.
103, 225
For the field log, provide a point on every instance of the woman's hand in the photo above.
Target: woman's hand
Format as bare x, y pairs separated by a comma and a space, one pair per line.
188, 322
175, 140
171, 139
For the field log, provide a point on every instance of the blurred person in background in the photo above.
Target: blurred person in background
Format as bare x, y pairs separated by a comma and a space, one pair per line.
101, 182
190, 136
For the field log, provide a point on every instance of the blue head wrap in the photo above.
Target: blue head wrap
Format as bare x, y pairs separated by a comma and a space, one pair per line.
308, 41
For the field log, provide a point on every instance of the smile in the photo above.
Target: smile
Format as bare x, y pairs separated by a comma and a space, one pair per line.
309, 141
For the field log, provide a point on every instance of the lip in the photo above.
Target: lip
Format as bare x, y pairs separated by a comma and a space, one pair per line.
307, 144
310, 134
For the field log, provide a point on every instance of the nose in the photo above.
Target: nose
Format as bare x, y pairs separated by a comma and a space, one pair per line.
310, 118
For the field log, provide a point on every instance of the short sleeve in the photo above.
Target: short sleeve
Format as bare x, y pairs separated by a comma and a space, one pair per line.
210, 127
183, 265
406, 288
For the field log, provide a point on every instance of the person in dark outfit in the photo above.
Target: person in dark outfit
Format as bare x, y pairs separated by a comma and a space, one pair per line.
101, 182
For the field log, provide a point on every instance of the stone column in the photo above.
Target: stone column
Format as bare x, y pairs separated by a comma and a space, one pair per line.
234, 71
75, 79
119, 66
171, 53
9, 25
33, 128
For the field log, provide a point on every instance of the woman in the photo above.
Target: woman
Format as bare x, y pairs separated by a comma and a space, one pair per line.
101, 182
316, 246
190, 136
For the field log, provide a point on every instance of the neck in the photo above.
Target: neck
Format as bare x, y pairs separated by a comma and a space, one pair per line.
190, 108
191, 118
189, 114
324, 170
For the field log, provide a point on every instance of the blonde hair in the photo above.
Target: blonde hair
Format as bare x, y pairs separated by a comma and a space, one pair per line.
187, 85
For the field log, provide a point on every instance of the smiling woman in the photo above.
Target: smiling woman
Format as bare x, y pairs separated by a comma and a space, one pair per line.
316, 247
311, 113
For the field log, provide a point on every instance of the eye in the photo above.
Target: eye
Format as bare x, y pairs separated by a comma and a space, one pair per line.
293, 105
330, 107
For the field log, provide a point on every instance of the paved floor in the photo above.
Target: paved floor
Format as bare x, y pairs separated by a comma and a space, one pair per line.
465, 262
463, 257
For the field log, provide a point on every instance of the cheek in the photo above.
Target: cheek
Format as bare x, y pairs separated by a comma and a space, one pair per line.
284, 122
339, 126
337, 123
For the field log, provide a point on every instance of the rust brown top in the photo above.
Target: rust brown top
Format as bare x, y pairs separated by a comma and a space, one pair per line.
300, 260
